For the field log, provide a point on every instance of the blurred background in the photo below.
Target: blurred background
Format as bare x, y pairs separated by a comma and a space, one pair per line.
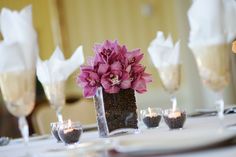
70, 23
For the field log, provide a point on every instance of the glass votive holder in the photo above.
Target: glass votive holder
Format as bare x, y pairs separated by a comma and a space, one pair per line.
151, 117
54, 130
175, 119
70, 132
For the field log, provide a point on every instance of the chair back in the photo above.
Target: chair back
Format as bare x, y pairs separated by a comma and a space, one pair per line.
82, 110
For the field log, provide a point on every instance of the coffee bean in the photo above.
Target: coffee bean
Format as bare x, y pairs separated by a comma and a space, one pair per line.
70, 137
175, 123
152, 122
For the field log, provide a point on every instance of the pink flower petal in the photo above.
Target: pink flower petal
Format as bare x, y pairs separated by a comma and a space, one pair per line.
107, 44
105, 83
125, 84
134, 57
94, 76
138, 68
121, 51
86, 68
102, 69
139, 58
125, 75
147, 77
89, 91
98, 59
81, 81
128, 69
116, 66
139, 86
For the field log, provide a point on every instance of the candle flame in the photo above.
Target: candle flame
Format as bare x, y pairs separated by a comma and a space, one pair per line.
174, 114
174, 107
68, 127
149, 110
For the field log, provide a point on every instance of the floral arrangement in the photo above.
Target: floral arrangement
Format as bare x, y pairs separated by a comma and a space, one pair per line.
113, 68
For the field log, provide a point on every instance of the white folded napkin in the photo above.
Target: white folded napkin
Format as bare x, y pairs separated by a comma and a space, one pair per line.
57, 68
212, 22
19, 48
163, 52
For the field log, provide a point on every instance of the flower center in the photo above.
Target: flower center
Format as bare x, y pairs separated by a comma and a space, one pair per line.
106, 52
91, 82
114, 79
132, 60
132, 76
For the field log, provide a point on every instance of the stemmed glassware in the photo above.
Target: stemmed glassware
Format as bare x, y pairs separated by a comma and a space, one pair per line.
56, 96
170, 78
18, 90
214, 68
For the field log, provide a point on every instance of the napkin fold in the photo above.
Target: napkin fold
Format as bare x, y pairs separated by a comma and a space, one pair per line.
164, 52
57, 68
212, 22
19, 47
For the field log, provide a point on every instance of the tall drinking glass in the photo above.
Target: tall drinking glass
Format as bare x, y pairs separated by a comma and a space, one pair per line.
214, 68
56, 96
18, 90
170, 78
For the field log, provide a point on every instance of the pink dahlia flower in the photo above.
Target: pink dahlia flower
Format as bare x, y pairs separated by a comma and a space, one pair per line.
89, 81
134, 57
115, 79
106, 52
139, 78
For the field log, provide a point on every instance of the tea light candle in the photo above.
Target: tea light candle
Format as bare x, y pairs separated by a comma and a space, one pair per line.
174, 114
150, 113
151, 117
174, 118
70, 134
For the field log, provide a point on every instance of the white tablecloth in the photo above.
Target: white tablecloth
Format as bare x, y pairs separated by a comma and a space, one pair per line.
46, 146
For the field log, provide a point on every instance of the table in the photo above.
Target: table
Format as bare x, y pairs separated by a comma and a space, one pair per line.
46, 146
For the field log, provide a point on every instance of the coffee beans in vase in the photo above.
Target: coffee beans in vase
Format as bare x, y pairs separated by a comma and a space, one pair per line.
175, 119
151, 117
70, 132
116, 113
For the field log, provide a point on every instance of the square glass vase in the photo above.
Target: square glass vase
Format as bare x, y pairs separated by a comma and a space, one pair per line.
116, 113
